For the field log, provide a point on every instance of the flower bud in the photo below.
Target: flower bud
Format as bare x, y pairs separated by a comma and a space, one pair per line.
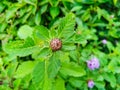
55, 44
91, 83
104, 41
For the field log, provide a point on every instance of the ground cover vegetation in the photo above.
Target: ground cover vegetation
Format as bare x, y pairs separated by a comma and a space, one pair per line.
59, 45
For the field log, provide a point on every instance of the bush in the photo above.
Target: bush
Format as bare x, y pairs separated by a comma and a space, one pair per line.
59, 45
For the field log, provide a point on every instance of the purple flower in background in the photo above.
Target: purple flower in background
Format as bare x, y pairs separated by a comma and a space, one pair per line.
104, 41
96, 62
93, 63
91, 83
90, 65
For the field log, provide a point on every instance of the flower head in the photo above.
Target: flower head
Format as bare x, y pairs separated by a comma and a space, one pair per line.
96, 62
91, 83
104, 41
56, 44
93, 63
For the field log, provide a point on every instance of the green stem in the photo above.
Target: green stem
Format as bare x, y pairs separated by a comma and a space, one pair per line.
78, 55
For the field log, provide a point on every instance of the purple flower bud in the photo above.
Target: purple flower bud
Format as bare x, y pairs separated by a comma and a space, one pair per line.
104, 41
93, 63
91, 83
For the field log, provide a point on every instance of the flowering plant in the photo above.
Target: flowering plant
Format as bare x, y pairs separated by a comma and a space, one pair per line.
59, 45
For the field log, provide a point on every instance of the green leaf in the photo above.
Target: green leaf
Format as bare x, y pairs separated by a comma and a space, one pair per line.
54, 2
20, 48
3, 27
38, 73
24, 69
106, 15
16, 83
86, 16
110, 46
66, 26
25, 17
11, 12
25, 31
54, 12
3, 87
40, 76
115, 2
110, 77
76, 8
100, 85
81, 39
38, 18
41, 32
72, 69
42, 53
54, 66
117, 69
1, 62
32, 2
68, 47
69, 87
99, 12
59, 84
43, 9
11, 69
1, 7
75, 82
47, 85
74, 55
70, 1
102, 1
63, 56
112, 65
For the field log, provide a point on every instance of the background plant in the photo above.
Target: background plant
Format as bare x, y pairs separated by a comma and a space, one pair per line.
87, 29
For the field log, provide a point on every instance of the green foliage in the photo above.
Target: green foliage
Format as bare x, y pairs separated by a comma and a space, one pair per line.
38, 74
24, 69
20, 48
86, 28
25, 31
54, 66
72, 69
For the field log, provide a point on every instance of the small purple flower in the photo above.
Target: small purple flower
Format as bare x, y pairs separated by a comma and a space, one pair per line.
96, 62
91, 83
93, 63
90, 65
104, 41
